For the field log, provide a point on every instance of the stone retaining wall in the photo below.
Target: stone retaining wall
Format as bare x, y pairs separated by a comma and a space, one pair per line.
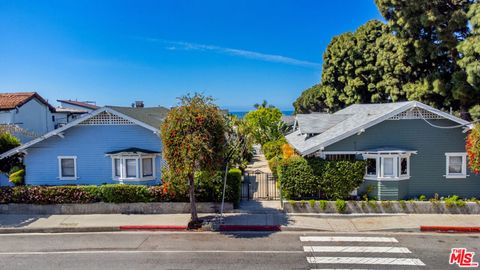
112, 208
384, 207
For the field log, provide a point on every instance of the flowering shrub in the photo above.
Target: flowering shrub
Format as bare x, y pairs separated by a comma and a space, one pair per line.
473, 149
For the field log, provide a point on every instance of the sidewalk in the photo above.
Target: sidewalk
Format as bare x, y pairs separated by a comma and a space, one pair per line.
285, 222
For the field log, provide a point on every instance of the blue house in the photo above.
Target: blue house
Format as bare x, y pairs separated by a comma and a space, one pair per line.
411, 149
107, 145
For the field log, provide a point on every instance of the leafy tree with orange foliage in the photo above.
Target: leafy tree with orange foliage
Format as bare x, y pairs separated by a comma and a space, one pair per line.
473, 149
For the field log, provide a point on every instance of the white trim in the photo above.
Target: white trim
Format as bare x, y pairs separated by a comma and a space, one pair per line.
75, 177
139, 166
77, 121
380, 158
381, 118
461, 175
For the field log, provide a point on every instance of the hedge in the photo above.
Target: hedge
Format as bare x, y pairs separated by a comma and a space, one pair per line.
297, 178
209, 190
306, 178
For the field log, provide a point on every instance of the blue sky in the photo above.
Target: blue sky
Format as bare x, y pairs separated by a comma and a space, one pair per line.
116, 52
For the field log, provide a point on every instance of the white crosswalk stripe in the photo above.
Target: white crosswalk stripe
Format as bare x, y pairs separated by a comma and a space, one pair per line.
365, 260
328, 249
347, 239
360, 249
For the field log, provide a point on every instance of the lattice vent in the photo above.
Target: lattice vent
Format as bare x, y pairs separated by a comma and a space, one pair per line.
105, 118
416, 113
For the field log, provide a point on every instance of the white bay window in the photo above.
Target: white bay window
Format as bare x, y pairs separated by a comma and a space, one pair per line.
387, 165
133, 165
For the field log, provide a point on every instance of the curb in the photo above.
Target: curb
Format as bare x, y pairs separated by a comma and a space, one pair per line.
152, 228
258, 228
59, 230
456, 229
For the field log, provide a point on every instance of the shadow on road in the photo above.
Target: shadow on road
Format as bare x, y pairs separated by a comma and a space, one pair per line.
16, 221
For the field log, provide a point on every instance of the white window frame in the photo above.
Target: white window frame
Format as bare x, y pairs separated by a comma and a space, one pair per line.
461, 175
75, 177
139, 167
380, 168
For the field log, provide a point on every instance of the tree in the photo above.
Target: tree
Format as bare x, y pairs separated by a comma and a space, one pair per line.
264, 124
473, 149
7, 142
470, 62
193, 136
430, 31
361, 67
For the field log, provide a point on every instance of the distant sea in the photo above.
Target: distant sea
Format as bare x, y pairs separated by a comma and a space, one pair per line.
242, 114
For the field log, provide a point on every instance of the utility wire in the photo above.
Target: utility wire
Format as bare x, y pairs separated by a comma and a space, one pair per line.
445, 127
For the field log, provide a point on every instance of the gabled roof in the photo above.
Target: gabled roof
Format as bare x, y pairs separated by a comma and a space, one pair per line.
10, 101
361, 117
79, 103
152, 116
59, 131
316, 123
133, 150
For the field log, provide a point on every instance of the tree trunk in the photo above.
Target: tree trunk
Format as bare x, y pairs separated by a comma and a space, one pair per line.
193, 207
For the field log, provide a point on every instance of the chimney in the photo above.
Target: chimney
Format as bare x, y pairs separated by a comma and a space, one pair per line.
139, 104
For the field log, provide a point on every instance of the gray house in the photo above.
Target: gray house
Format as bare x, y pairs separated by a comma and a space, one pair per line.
411, 149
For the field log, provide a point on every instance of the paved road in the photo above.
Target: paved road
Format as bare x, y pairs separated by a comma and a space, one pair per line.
285, 250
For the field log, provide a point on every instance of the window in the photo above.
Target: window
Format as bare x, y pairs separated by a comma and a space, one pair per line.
67, 168
387, 166
404, 171
333, 157
117, 167
372, 166
147, 167
456, 166
133, 167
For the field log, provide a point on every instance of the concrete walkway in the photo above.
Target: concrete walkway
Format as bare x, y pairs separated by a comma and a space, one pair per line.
259, 162
309, 222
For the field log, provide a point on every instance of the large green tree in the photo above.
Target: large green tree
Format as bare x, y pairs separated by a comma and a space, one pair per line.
193, 136
470, 62
360, 67
264, 124
430, 31
425, 52
7, 142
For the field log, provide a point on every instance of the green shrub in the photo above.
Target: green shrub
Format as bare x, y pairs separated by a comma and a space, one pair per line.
337, 179
460, 203
323, 204
341, 205
403, 204
17, 177
273, 148
422, 198
386, 204
234, 187
453, 200
292, 203
273, 163
120, 193
312, 203
297, 178
373, 204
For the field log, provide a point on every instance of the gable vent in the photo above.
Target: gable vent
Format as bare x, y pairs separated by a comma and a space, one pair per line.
105, 118
415, 113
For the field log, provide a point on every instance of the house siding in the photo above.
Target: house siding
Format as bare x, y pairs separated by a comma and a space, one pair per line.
427, 167
89, 144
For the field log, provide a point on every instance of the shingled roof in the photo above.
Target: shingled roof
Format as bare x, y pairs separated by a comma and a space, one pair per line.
10, 101
356, 118
79, 103
152, 116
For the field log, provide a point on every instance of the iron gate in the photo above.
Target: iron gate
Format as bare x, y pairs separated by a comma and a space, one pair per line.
260, 186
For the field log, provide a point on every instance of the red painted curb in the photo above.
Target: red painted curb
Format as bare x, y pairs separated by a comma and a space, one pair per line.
249, 228
152, 227
448, 229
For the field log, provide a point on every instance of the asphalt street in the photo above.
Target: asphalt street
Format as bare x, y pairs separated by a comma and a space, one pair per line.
281, 250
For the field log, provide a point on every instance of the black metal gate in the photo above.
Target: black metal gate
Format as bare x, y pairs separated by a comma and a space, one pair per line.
260, 186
